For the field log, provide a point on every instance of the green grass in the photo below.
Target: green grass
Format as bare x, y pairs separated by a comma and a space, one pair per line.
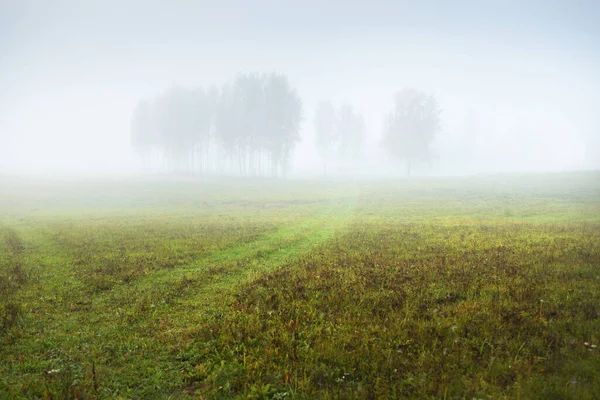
458, 288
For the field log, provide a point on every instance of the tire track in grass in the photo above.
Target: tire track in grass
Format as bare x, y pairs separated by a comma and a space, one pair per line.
310, 237
144, 343
54, 264
166, 328
59, 285
150, 336
136, 343
224, 268
147, 301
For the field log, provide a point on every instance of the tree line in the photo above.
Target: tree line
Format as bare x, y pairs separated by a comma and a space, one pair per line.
250, 126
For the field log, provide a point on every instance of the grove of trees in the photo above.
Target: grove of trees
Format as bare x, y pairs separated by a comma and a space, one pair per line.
248, 126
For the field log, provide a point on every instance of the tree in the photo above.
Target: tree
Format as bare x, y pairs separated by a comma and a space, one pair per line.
177, 127
326, 134
200, 114
352, 131
142, 126
338, 135
283, 116
410, 127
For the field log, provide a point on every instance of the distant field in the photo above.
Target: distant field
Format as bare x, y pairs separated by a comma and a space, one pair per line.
164, 288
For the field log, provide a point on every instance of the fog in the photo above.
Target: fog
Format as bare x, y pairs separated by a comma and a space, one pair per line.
517, 82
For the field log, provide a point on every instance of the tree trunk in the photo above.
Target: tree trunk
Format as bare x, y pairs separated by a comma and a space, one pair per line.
207, 158
158, 165
259, 162
192, 161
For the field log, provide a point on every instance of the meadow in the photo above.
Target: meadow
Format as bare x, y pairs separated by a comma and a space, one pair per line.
483, 287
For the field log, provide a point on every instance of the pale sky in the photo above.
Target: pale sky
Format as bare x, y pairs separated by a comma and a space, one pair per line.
528, 71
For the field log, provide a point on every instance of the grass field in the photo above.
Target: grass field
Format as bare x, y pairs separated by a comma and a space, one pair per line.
455, 288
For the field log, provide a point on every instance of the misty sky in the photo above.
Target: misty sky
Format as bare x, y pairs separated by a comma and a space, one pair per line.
523, 75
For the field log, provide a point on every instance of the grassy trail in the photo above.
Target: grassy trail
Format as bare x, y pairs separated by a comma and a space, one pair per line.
156, 314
